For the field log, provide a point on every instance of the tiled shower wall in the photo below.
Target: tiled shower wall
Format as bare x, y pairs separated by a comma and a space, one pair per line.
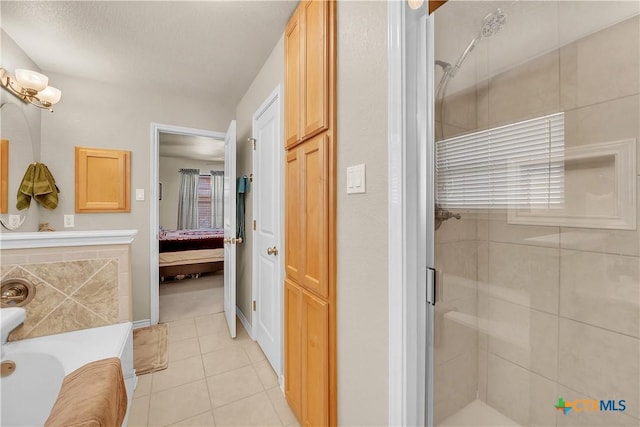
76, 287
558, 308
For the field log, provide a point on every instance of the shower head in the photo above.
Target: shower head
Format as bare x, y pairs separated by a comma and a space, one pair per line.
493, 23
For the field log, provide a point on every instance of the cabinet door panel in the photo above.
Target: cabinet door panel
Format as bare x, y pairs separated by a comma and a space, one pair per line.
293, 70
315, 361
293, 346
293, 218
315, 117
315, 207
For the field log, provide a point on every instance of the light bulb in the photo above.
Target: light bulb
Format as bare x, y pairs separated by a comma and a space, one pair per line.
415, 4
31, 80
50, 94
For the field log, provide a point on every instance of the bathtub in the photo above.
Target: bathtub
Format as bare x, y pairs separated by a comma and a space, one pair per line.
28, 394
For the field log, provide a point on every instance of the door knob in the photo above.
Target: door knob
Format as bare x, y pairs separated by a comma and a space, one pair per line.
272, 251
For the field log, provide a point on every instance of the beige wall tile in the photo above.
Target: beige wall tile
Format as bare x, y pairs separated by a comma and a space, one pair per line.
521, 395
100, 293
455, 385
124, 309
600, 363
80, 253
455, 230
525, 275
601, 290
67, 277
457, 267
501, 231
460, 109
47, 298
456, 329
526, 337
9, 257
526, 91
611, 120
602, 66
69, 316
623, 242
5, 269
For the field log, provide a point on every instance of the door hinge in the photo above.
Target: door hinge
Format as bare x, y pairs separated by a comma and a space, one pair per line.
254, 224
254, 305
252, 141
431, 286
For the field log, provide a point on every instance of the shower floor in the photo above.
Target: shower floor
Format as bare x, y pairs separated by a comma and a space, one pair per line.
478, 413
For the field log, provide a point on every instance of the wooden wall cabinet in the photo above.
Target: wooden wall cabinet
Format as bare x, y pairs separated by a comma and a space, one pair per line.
307, 355
307, 72
310, 214
102, 182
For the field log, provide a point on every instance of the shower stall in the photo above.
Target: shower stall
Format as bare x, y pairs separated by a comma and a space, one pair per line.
532, 116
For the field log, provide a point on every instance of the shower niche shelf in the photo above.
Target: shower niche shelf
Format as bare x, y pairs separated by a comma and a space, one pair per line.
599, 189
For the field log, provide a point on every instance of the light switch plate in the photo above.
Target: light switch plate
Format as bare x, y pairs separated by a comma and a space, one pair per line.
356, 179
139, 193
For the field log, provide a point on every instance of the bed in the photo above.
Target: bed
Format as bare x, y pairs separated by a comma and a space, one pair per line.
190, 252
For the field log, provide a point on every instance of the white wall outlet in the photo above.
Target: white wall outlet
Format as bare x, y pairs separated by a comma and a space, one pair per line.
356, 179
69, 221
139, 193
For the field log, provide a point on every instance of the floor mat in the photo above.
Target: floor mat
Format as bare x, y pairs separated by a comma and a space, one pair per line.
150, 349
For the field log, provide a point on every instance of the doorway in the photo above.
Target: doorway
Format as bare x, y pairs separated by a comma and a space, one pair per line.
191, 273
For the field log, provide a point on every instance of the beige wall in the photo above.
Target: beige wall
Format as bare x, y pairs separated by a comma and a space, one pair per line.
270, 76
12, 57
96, 114
362, 300
170, 179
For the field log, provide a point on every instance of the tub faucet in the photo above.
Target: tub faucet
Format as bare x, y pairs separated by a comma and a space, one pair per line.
10, 319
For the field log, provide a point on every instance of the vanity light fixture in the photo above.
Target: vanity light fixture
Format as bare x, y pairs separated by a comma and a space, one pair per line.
31, 87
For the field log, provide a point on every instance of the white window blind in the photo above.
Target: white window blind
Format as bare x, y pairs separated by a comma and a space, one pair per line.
520, 165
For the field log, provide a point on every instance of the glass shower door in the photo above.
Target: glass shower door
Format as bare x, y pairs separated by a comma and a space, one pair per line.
536, 240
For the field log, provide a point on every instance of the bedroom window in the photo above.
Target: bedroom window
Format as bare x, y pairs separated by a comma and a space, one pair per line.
204, 201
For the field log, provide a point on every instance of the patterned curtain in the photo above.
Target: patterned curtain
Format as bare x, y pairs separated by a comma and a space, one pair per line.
217, 199
188, 199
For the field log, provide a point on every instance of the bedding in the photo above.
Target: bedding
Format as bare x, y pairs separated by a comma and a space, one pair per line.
184, 252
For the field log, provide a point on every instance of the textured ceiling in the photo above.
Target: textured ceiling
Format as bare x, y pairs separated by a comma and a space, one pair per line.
191, 147
215, 47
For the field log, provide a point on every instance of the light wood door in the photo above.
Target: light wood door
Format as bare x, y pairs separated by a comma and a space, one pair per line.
315, 361
293, 346
293, 71
315, 214
293, 217
315, 88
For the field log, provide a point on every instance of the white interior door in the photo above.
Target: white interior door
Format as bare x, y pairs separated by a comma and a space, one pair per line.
230, 227
267, 251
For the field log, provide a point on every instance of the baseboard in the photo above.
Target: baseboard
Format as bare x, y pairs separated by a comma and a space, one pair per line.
244, 322
141, 323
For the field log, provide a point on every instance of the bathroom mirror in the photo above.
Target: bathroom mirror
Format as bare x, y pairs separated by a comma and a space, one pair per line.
18, 152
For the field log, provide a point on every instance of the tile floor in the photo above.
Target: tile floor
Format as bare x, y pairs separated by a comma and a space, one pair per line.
212, 380
191, 297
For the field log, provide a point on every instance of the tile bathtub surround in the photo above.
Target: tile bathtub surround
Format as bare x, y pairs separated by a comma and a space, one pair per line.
76, 288
212, 380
